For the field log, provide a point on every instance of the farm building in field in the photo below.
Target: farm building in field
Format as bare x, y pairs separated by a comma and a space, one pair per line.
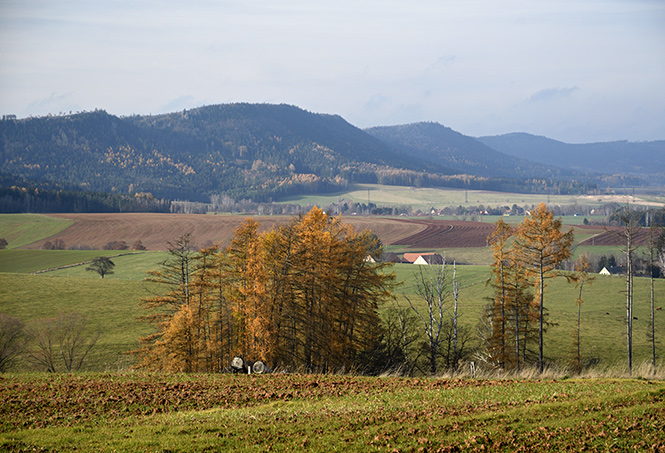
614, 270
423, 258
433, 258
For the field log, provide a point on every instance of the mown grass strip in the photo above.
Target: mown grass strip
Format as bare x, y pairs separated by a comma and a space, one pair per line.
23, 229
29, 261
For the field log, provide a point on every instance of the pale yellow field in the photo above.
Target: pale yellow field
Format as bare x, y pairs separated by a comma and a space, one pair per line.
426, 198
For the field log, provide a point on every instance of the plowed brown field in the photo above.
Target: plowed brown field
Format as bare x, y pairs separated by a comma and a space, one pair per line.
446, 234
155, 230
614, 236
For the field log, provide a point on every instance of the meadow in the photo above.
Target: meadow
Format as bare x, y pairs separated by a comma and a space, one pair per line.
112, 305
44, 283
23, 229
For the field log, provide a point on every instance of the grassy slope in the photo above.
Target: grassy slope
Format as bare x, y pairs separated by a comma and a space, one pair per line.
24, 229
113, 302
136, 412
603, 313
110, 305
127, 267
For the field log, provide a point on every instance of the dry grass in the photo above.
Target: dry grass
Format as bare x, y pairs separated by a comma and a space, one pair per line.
644, 370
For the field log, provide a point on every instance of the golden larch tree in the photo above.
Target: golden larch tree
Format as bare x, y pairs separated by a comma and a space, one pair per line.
541, 246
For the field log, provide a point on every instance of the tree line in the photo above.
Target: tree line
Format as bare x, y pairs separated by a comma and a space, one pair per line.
524, 258
304, 297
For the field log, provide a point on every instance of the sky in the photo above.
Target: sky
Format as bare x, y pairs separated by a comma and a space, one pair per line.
577, 71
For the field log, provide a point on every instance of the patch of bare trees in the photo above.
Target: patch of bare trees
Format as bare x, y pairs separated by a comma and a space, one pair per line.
53, 344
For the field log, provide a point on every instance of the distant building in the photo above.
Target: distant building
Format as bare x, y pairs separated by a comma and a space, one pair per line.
390, 257
432, 258
423, 258
613, 270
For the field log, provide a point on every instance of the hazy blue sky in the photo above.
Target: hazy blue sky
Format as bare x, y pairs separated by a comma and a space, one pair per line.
572, 70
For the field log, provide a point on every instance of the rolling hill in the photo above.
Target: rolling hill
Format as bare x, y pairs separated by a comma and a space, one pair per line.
441, 145
646, 159
262, 152
245, 150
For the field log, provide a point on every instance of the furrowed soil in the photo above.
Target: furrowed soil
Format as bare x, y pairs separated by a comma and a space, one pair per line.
156, 230
614, 236
287, 412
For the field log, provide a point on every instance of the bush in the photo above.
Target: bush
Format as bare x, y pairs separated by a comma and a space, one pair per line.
116, 245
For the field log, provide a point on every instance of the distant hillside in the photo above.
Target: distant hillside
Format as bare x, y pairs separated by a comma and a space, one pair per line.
247, 151
244, 150
622, 157
443, 146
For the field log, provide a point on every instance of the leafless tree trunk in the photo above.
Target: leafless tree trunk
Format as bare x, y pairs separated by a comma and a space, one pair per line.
433, 288
632, 227
655, 252
454, 316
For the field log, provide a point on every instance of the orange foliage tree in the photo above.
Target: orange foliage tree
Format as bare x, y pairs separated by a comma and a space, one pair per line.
302, 296
541, 246
511, 312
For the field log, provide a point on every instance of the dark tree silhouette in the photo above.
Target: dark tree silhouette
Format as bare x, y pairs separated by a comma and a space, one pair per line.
102, 265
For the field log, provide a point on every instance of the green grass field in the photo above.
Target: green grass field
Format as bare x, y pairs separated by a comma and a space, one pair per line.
108, 407
23, 229
321, 413
27, 261
113, 305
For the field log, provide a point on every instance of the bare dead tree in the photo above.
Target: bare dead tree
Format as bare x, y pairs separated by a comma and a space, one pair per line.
434, 289
12, 340
66, 339
630, 220
656, 256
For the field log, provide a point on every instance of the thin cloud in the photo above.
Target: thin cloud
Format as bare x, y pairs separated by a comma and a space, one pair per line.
550, 94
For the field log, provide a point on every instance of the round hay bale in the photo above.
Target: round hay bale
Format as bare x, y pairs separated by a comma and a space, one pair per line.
260, 368
237, 363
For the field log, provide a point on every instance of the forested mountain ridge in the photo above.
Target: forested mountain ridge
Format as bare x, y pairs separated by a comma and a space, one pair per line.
244, 150
631, 158
254, 151
441, 145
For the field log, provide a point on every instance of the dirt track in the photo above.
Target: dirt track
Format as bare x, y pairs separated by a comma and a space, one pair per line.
155, 230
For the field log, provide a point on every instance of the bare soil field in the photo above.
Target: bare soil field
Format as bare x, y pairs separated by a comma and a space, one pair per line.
156, 230
447, 234
614, 236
